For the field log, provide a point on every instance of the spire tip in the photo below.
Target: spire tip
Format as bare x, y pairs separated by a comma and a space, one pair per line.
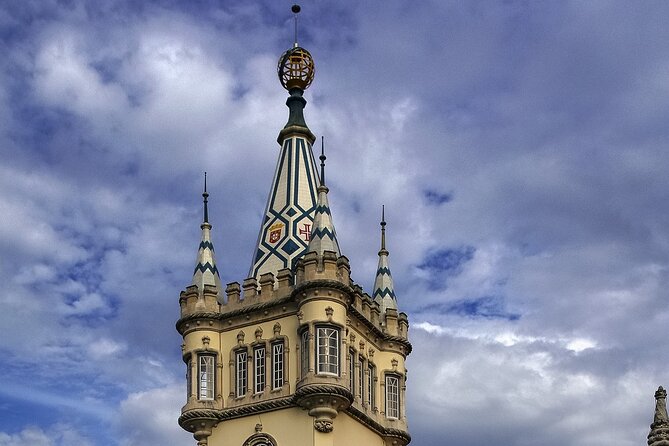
205, 195
383, 229
322, 158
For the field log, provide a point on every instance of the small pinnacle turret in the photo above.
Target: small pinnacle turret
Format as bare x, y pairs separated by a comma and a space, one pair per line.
206, 272
323, 236
384, 290
659, 429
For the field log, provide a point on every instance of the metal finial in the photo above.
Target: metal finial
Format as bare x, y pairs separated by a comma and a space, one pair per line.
383, 227
296, 10
205, 195
322, 158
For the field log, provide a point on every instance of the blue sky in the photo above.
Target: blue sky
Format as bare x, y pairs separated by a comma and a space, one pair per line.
521, 150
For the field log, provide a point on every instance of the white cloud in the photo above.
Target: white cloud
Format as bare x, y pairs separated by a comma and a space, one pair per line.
57, 435
149, 418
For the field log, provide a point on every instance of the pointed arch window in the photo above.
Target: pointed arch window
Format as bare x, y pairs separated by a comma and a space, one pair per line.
206, 367
392, 396
351, 370
304, 350
327, 350
241, 373
259, 369
277, 365
371, 370
361, 379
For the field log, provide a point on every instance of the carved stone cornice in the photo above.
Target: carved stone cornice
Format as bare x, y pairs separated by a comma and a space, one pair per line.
320, 283
192, 418
377, 331
403, 436
322, 389
259, 407
239, 311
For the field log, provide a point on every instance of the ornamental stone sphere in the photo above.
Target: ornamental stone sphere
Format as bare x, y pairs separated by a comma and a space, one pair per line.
296, 69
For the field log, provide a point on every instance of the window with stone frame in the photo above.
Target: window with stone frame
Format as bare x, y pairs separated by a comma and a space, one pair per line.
277, 365
361, 379
392, 396
206, 368
241, 373
371, 374
304, 350
260, 439
351, 370
189, 378
259, 370
327, 350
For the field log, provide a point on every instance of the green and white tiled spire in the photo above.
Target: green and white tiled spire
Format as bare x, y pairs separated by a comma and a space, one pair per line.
384, 290
287, 222
206, 272
323, 234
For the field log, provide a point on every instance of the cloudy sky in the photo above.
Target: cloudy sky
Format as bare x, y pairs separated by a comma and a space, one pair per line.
521, 150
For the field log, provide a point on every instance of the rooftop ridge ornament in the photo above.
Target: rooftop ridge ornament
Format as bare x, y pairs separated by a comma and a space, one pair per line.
296, 66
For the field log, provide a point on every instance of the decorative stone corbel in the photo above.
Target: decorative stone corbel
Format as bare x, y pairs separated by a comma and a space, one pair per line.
323, 425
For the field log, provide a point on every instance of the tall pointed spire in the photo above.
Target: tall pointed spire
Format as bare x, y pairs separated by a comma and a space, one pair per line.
659, 429
206, 272
323, 236
384, 290
287, 223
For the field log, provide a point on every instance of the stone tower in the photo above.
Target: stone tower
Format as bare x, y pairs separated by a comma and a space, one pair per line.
298, 354
659, 429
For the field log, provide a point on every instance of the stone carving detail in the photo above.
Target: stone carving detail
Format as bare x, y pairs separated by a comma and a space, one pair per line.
240, 338
661, 406
329, 311
659, 430
277, 329
324, 426
258, 333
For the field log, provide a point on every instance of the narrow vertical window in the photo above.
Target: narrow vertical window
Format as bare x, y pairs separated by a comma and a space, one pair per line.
328, 350
259, 370
361, 378
189, 378
206, 377
392, 396
370, 385
351, 370
240, 373
304, 349
277, 365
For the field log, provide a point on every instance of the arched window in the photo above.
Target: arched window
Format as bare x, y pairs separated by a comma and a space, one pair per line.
260, 439
327, 350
